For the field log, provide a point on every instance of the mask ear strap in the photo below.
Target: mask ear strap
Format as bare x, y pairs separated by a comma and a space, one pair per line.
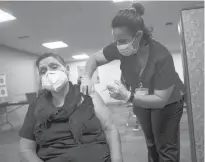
134, 39
64, 69
137, 36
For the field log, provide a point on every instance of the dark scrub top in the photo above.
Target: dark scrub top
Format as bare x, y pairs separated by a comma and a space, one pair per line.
71, 133
159, 73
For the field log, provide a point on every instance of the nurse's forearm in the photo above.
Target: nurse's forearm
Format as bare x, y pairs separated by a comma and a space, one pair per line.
114, 142
149, 101
90, 67
29, 156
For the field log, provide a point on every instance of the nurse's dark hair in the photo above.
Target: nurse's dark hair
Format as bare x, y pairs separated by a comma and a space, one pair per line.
131, 18
46, 55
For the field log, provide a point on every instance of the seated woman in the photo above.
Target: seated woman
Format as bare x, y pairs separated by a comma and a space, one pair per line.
63, 125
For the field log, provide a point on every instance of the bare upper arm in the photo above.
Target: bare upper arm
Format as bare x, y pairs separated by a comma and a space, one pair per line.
100, 58
165, 76
102, 112
26, 144
164, 94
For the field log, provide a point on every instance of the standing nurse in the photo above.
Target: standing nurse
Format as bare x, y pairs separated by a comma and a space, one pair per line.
154, 86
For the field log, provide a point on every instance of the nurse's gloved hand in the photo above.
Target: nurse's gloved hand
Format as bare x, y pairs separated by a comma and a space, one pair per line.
118, 91
86, 85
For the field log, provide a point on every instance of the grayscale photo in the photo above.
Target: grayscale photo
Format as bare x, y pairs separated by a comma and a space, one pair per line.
102, 81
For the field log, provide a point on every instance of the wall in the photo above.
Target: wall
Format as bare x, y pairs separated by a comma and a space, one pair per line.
178, 65
20, 77
19, 68
110, 72
193, 29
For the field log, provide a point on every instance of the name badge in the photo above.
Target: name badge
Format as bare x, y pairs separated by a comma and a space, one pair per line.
142, 91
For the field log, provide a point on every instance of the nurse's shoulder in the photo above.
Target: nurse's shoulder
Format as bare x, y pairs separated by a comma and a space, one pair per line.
160, 51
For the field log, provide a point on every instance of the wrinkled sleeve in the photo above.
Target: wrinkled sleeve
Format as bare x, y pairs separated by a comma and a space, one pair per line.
165, 75
111, 52
27, 130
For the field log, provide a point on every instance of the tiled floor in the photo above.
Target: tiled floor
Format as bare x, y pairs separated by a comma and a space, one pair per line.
133, 143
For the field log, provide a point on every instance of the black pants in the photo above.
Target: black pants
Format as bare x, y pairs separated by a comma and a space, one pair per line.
161, 130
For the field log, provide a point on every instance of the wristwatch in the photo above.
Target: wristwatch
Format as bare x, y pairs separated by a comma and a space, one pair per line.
131, 97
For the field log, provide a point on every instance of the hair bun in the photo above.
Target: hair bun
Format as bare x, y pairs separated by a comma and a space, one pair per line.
139, 8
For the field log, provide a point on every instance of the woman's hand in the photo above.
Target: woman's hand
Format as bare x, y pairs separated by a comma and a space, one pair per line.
86, 85
118, 91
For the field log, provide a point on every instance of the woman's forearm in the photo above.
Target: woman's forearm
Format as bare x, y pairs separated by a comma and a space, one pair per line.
29, 155
90, 67
149, 101
114, 142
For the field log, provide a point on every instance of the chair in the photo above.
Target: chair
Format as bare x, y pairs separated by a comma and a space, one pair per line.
4, 114
31, 97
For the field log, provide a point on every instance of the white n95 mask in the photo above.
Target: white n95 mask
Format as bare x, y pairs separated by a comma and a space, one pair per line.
127, 49
54, 80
